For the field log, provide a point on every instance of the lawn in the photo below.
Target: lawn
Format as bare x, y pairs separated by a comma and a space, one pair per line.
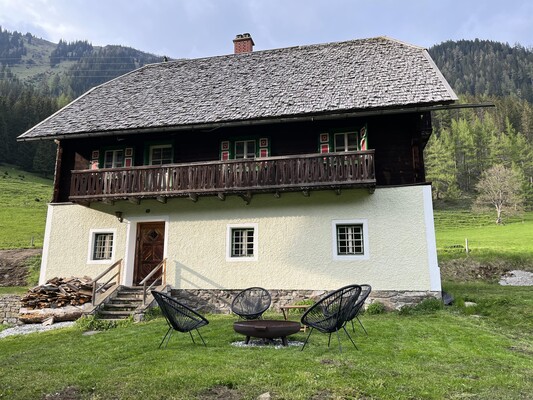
451, 353
24, 199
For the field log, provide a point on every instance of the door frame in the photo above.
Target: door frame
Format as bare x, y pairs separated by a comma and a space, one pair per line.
131, 242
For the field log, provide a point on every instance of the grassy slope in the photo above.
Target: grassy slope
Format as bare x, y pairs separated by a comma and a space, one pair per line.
512, 242
38, 57
23, 204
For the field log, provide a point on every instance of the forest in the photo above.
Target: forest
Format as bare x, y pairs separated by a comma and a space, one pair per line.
465, 142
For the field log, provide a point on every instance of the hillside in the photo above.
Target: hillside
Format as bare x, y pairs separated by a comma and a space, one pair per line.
486, 68
67, 69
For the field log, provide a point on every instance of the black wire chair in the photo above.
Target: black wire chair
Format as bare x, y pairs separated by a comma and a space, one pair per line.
251, 303
331, 313
179, 317
354, 314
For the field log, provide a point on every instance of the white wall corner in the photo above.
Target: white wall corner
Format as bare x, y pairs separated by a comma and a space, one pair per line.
431, 240
46, 245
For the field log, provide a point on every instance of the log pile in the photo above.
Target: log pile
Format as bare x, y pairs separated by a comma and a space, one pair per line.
59, 292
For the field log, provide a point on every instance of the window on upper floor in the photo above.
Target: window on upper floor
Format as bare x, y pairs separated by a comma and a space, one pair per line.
244, 149
239, 149
347, 141
161, 154
350, 140
114, 158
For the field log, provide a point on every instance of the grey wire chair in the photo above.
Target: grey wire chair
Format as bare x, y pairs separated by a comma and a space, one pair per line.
331, 313
354, 314
179, 317
251, 303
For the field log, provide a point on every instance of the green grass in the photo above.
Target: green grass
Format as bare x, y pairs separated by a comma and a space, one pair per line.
512, 241
454, 353
23, 200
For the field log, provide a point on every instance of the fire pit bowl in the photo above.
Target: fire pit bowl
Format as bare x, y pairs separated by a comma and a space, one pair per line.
267, 329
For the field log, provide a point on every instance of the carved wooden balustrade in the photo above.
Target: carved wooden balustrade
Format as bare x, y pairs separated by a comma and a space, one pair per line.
272, 174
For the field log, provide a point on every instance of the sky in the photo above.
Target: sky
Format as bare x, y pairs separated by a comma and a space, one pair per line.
203, 28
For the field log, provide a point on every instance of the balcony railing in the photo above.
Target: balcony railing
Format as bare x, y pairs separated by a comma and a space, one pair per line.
273, 174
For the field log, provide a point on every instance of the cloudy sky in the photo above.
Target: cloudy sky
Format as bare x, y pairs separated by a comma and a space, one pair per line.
198, 28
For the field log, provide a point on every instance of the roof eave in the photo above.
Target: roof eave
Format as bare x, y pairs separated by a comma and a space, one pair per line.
262, 121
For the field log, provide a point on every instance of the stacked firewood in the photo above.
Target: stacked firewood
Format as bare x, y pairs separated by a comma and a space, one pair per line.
59, 292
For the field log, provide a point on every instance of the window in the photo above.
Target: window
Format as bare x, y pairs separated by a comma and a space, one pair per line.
244, 149
160, 155
350, 238
346, 141
242, 242
114, 158
101, 246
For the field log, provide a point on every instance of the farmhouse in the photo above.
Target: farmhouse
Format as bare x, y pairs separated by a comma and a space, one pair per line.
294, 169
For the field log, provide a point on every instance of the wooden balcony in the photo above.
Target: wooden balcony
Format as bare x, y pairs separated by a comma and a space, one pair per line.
242, 177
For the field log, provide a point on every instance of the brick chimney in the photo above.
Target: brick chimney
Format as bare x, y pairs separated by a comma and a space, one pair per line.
243, 43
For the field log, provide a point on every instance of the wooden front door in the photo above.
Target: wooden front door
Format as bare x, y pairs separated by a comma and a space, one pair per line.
149, 250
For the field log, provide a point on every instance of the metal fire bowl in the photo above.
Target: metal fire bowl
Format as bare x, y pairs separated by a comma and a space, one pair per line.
267, 329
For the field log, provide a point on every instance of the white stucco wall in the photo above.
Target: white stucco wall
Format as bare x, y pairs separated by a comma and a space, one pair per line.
295, 241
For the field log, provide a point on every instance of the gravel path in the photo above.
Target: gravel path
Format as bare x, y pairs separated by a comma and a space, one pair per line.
31, 328
517, 278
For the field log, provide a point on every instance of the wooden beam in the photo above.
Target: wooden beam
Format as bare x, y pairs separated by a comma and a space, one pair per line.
247, 197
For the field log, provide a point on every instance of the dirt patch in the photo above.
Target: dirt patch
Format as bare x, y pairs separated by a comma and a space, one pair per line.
69, 393
468, 270
221, 392
13, 266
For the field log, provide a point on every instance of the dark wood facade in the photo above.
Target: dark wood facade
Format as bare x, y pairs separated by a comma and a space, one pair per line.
294, 160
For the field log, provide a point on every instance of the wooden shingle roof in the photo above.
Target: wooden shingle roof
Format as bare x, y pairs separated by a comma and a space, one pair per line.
352, 76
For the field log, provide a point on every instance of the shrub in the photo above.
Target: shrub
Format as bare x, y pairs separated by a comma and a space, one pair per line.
426, 306
93, 323
375, 308
152, 313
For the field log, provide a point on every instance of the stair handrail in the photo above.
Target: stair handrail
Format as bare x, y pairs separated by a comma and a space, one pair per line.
162, 265
97, 289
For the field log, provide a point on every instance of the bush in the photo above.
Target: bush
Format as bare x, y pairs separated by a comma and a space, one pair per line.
152, 313
426, 306
375, 308
93, 323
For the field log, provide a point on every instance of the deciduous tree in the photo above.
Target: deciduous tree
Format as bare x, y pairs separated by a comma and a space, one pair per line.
500, 187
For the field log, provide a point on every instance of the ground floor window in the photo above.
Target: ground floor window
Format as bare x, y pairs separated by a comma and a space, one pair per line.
350, 238
242, 242
101, 248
